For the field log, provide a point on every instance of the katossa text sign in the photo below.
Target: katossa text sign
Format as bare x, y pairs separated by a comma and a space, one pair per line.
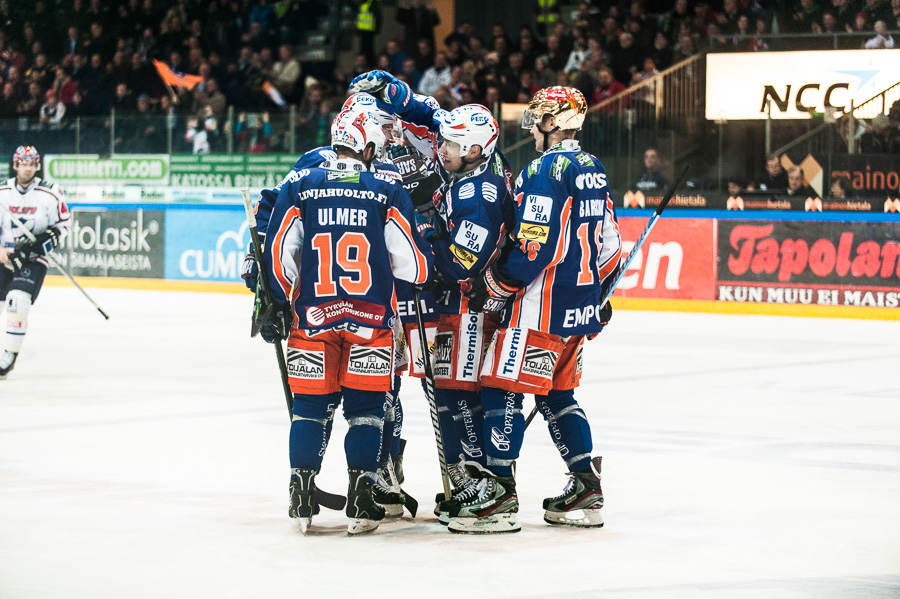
738, 85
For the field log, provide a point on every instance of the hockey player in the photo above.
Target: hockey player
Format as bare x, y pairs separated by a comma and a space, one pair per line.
350, 232
38, 206
413, 179
474, 213
566, 255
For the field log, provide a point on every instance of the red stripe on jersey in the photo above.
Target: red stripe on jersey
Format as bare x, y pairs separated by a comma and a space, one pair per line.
421, 262
547, 293
293, 214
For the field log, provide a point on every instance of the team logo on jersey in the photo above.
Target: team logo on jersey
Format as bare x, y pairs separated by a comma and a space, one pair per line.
465, 258
443, 355
470, 236
539, 362
489, 192
388, 177
466, 191
533, 167
590, 181
305, 364
537, 209
369, 361
529, 232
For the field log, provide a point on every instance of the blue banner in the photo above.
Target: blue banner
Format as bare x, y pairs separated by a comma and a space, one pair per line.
205, 245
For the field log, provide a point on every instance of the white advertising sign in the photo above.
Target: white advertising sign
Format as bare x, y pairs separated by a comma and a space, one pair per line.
739, 85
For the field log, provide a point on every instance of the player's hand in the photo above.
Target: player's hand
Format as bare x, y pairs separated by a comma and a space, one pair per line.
384, 87
426, 228
605, 314
16, 260
277, 325
435, 279
490, 291
250, 271
45, 242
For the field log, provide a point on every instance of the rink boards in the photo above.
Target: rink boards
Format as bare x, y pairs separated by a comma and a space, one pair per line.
795, 264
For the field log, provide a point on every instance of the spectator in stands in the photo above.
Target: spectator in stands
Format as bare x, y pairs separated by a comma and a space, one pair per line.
204, 136
735, 185
841, 189
254, 134
396, 56
435, 76
285, 72
797, 185
668, 23
882, 39
881, 138
775, 178
64, 86
555, 59
424, 55
661, 53
578, 55
52, 111
652, 178
607, 87
410, 74
844, 13
30, 104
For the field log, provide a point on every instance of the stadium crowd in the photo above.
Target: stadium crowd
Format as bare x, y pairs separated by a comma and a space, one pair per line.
61, 59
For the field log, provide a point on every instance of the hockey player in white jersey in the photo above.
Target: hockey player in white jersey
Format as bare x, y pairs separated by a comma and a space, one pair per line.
38, 206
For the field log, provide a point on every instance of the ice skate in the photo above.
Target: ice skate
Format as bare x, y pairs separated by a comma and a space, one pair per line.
493, 509
461, 481
579, 504
303, 497
387, 497
364, 513
7, 361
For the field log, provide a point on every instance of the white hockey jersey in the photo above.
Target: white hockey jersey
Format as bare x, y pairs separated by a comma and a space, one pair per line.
38, 208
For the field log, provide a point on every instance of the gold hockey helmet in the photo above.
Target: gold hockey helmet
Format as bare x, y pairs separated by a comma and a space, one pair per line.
567, 104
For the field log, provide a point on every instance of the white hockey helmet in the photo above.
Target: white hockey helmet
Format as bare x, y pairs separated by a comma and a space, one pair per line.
470, 125
26, 154
366, 103
567, 104
355, 130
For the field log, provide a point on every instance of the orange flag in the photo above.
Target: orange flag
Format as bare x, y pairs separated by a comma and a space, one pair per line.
176, 78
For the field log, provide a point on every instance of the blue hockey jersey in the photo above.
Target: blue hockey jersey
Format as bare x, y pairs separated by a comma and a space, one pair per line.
567, 243
350, 232
475, 211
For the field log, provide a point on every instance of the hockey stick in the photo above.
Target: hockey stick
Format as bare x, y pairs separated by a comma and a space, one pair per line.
633, 254
19, 225
325, 499
429, 393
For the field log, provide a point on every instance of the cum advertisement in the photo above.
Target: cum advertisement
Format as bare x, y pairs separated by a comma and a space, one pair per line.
205, 245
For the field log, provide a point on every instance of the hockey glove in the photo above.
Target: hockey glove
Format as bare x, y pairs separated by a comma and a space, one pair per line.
604, 317
384, 87
250, 271
17, 259
44, 243
491, 291
426, 228
433, 284
277, 324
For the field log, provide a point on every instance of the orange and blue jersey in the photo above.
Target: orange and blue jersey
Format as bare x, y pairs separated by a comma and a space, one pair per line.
338, 237
567, 246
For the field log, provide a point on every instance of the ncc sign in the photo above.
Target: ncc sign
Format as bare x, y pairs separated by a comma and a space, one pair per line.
794, 84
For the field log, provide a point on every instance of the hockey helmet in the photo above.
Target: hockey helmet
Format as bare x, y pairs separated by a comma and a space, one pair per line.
366, 103
470, 125
26, 154
355, 130
567, 104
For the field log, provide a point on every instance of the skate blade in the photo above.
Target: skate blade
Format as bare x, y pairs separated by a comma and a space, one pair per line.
392, 510
443, 518
576, 518
361, 526
304, 524
494, 524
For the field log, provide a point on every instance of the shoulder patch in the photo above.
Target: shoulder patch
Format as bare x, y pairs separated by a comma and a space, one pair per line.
465, 258
584, 159
387, 177
489, 192
559, 167
466, 191
534, 167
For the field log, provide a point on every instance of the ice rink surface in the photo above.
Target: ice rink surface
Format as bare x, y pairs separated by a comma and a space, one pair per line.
743, 457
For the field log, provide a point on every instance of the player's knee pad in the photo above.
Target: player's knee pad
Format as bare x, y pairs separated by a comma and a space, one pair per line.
18, 304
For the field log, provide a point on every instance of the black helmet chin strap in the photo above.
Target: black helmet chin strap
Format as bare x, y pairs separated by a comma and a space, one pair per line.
547, 135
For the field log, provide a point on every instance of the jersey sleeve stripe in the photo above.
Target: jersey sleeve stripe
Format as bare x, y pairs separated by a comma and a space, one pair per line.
285, 270
421, 263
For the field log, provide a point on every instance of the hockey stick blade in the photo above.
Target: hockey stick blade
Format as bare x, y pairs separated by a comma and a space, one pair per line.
330, 500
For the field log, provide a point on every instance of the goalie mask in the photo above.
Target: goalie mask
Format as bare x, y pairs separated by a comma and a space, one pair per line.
567, 104
355, 130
